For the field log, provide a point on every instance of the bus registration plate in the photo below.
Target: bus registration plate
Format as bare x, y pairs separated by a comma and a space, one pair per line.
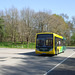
43, 53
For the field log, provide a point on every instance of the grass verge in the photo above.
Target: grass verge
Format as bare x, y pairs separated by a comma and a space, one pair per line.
70, 46
17, 45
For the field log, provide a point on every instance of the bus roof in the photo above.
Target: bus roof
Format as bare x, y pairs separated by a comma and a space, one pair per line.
56, 35
45, 33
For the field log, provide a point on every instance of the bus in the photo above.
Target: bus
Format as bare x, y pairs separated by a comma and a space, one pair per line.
49, 43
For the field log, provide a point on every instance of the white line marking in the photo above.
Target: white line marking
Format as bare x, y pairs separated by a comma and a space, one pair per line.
59, 64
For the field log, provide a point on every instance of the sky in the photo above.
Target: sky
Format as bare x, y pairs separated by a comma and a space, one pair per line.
55, 6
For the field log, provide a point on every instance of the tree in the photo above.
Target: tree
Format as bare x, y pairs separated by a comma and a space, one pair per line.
70, 27
73, 39
57, 25
1, 29
12, 20
41, 21
26, 24
65, 16
22, 25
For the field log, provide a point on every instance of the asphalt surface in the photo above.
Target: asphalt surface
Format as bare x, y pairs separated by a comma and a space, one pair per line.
26, 62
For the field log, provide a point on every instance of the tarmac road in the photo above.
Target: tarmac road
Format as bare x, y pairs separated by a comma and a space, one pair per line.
26, 62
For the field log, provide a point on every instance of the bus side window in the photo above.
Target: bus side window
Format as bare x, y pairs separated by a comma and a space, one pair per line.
57, 42
64, 44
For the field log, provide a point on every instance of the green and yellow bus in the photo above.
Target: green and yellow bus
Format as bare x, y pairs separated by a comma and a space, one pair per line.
49, 43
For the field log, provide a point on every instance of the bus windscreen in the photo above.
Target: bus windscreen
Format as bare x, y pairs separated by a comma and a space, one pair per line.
44, 40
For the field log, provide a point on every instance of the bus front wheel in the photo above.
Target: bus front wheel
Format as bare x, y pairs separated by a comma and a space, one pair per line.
57, 52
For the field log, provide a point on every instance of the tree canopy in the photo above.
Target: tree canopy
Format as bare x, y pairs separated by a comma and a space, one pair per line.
22, 25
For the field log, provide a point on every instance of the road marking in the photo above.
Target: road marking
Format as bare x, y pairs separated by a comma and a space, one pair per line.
59, 64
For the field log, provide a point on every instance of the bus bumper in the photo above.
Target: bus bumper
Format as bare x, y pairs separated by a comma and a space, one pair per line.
44, 52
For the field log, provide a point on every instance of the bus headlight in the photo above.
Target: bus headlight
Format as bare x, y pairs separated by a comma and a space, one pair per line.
37, 49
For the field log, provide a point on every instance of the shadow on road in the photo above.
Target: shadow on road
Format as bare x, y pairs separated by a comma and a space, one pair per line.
34, 54
34, 64
66, 68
